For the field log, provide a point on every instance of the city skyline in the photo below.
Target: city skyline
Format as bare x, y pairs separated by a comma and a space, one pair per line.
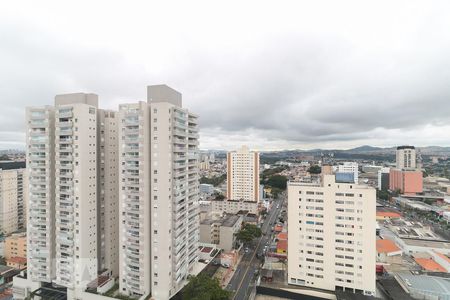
337, 85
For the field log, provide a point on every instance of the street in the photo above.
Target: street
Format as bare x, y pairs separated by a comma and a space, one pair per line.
245, 271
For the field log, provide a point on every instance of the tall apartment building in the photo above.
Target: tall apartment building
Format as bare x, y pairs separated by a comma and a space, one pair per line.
405, 157
12, 197
350, 167
158, 190
243, 175
72, 194
331, 234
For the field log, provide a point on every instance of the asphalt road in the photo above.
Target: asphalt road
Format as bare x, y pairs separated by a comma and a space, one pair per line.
245, 271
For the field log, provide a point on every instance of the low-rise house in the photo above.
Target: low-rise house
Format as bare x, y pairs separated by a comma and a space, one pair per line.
221, 232
388, 251
16, 262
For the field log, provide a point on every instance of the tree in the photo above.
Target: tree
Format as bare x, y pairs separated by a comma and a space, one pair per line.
219, 196
315, 169
383, 194
278, 181
248, 233
215, 180
202, 287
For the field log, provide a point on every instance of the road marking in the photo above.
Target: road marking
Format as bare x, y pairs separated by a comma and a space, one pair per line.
246, 270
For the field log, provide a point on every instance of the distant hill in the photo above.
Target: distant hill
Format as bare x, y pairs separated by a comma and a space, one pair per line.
367, 148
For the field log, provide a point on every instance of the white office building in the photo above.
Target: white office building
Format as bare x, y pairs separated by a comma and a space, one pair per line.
405, 157
349, 167
243, 175
331, 233
158, 192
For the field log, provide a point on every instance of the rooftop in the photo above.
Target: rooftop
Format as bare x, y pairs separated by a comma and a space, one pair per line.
386, 246
230, 220
388, 214
429, 264
282, 245
282, 236
430, 284
405, 147
18, 260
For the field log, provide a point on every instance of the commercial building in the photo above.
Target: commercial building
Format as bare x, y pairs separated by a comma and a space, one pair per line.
12, 197
383, 178
332, 236
158, 192
16, 246
406, 181
349, 167
405, 157
243, 175
71, 162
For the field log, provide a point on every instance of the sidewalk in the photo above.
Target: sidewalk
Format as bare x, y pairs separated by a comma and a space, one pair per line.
226, 280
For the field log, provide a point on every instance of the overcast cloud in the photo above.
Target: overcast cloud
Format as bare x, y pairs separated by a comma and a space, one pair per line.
273, 75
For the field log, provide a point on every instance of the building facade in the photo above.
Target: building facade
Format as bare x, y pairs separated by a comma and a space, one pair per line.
331, 234
349, 167
158, 192
221, 232
12, 200
71, 169
243, 175
383, 178
234, 206
405, 157
406, 181
16, 246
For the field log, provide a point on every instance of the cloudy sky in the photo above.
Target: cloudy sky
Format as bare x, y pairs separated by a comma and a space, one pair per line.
270, 74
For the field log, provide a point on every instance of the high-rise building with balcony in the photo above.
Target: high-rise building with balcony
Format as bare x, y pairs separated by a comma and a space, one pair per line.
158, 194
72, 167
405, 157
12, 197
40, 137
331, 234
243, 175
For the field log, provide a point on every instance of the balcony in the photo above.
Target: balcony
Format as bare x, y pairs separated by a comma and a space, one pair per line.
65, 148
193, 142
179, 132
65, 166
66, 175
38, 148
179, 157
193, 135
65, 113
66, 140
181, 149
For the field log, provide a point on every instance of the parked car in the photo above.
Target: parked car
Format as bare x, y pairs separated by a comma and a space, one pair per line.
226, 266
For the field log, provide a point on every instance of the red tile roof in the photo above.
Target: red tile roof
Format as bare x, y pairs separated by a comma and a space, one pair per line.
282, 245
388, 214
282, 236
386, 246
430, 265
18, 260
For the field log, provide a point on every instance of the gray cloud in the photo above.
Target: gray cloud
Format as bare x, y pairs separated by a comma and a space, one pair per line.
355, 76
